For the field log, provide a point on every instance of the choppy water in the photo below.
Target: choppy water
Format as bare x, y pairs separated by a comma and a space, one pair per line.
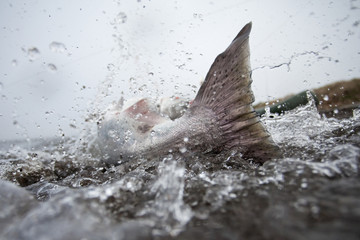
60, 189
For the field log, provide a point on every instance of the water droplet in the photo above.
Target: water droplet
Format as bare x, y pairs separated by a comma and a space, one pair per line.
33, 54
52, 67
267, 110
186, 139
14, 63
198, 16
183, 149
315, 210
111, 67
57, 47
138, 116
142, 88
326, 98
121, 18
49, 112
132, 80
112, 134
356, 113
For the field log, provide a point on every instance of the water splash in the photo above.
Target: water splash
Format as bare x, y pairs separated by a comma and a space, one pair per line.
302, 127
168, 207
314, 184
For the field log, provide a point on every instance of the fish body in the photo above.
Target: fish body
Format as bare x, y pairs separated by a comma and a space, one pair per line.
221, 117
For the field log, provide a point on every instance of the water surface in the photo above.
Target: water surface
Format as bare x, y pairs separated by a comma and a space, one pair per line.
59, 188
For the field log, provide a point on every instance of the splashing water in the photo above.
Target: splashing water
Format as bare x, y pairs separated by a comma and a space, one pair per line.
311, 192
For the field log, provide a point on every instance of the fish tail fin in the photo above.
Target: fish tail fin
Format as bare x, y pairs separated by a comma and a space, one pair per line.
227, 92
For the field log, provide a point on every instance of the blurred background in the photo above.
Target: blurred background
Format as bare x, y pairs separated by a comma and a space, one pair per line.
62, 61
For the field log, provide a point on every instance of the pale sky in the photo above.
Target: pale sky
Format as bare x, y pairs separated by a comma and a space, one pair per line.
61, 59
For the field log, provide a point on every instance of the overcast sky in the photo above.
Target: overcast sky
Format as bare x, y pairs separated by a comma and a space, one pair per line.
60, 60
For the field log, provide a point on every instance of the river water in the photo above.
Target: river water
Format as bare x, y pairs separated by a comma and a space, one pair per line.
59, 188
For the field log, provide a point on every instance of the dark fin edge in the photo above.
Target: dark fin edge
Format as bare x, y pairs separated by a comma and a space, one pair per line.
227, 92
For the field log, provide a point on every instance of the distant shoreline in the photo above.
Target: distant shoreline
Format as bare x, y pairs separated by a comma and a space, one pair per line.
338, 98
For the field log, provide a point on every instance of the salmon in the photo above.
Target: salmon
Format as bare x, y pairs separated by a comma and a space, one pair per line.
220, 118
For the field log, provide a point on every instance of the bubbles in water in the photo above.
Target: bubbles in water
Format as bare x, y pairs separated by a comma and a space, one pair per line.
57, 47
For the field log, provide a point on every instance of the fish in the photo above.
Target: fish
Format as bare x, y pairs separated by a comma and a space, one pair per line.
220, 118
